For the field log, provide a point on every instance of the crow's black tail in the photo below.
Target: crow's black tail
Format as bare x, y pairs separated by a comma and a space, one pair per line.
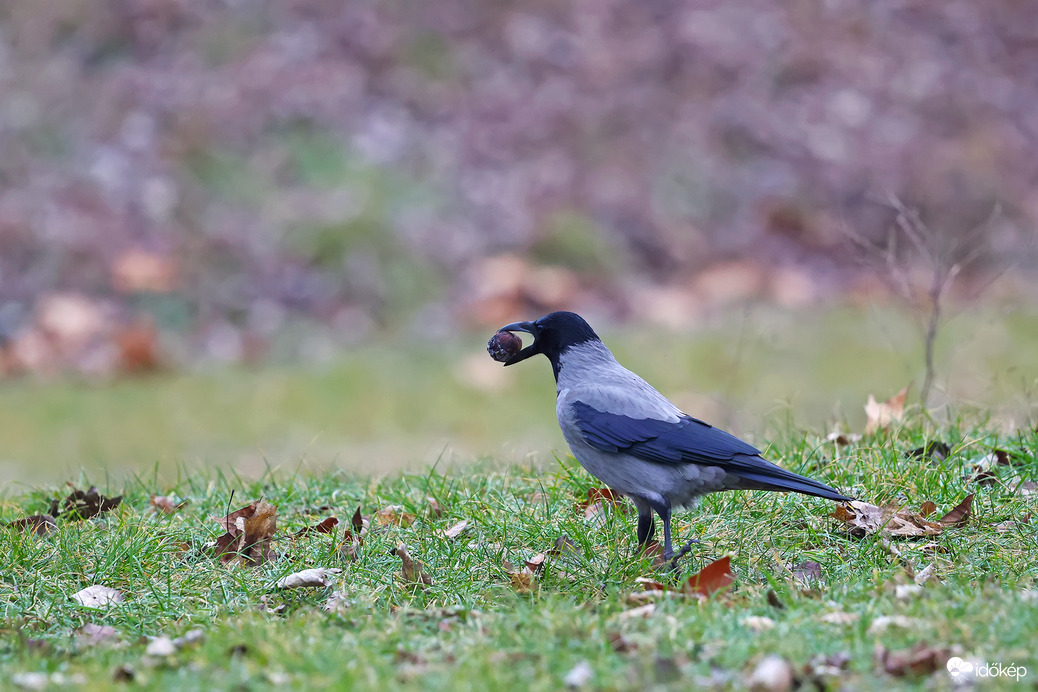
756, 473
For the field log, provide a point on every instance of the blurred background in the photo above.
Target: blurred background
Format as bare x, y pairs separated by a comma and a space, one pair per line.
252, 233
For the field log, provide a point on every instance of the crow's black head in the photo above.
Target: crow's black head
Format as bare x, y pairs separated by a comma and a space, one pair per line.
552, 335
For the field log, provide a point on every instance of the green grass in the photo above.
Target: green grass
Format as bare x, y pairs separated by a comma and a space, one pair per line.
471, 630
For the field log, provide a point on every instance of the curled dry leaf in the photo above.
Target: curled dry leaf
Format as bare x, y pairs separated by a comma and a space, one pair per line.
318, 577
93, 634
580, 675
523, 581
394, 515
960, 514
919, 660
757, 623
925, 575
38, 524
536, 562
326, 526
80, 504
563, 547
412, 569
864, 519
643, 611
881, 415
772, 674
597, 500
455, 531
336, 603
435, 511
249, 533
98, 596
884, 622
839, 617
165, 504
160, 647
808, 574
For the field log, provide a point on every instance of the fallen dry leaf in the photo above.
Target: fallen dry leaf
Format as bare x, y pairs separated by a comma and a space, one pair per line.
927, 508
39, 524
536, 562
249, 533
160, 647
412, 569
864, 519
772, 674
808, 574
839, 617
318, 577
757, 623
92, 634
715, 577
882, 623
455, 531
919, 660
435, 511
97, 596
881, 415
326, 526
165, 504
394, 515
960, 514
639, 612
580, 675
80, 504
336, 603
523, 581
563, 546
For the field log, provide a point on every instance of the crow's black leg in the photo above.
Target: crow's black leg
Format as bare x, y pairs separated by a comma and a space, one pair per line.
663, 509
646, 527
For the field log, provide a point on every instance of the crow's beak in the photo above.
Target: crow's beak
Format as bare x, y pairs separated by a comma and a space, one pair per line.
531, 350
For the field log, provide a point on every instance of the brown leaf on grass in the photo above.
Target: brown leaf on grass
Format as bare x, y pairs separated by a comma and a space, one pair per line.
602, 497
92, 634
563, 546
394, 515
921, 659
619, 644
881, 415
863, 519
165, 504
80, 504
326, 526
808, 574
455, 531
536, 562
435, 511
249, 533
412, 569
352, 540
960, 514
717, 576
39, 524
927, 508
523, 581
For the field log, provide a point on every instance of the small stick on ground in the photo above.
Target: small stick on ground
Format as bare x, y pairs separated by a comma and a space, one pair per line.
685, 550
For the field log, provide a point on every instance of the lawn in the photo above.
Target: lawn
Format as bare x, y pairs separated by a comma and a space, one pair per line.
805, 589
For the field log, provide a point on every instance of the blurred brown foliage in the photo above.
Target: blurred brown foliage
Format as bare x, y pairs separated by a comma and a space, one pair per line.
361, 161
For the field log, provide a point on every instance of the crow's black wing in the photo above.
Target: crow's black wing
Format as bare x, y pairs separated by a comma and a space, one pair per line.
689, 441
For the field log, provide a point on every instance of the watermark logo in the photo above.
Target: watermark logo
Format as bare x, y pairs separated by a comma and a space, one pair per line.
967, 671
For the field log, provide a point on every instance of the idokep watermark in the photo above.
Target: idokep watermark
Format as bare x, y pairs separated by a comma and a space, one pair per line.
967, 671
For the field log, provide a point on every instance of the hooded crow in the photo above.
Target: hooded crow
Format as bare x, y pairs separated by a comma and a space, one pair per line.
630, 437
